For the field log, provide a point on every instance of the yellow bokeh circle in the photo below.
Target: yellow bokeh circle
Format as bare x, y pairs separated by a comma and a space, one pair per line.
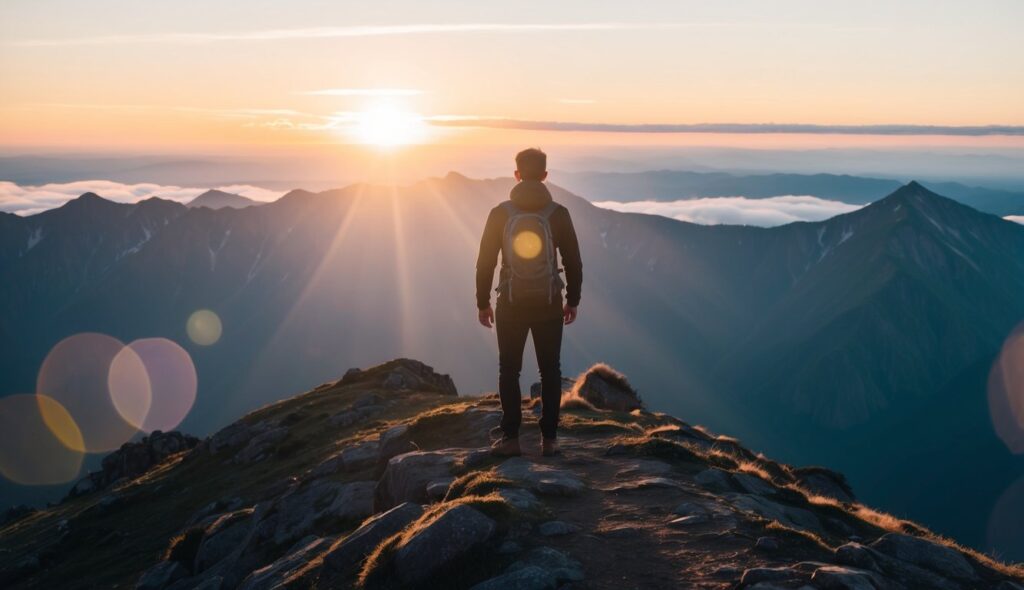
204, 327
34, 450
527, 244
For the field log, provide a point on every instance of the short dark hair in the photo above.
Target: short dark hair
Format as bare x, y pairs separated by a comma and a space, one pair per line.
532, 164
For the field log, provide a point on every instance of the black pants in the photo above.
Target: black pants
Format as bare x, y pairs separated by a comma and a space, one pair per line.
512, 325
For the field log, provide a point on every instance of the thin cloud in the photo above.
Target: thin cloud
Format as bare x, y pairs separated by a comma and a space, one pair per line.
375, 92
577, 100
738, 210
894, 129
29, 200
350, 32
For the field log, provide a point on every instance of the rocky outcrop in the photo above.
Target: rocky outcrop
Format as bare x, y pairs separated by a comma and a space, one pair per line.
344, 559
405, 496
133, 459
401, 374
605, 388
444, 540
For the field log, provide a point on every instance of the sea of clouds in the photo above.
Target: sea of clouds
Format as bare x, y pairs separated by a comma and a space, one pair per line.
28, 200
766, 212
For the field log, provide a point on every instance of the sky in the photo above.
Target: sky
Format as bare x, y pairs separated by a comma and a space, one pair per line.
105, 75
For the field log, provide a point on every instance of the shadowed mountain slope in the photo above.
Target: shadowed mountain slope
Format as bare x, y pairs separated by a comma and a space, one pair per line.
382, 479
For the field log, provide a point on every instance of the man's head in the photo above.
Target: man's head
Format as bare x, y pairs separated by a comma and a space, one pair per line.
531, 164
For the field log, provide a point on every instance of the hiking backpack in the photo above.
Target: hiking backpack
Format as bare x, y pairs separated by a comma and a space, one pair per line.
530, 272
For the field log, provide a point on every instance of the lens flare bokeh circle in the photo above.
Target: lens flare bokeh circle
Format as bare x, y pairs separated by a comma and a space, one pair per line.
34, 451
526, 244
75, 374
153, 383
204, 327
1006, 393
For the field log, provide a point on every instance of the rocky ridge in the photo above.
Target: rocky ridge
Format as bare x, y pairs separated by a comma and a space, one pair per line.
383, 480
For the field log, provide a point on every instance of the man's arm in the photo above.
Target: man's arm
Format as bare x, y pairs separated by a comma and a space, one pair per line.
487, 259
569, 248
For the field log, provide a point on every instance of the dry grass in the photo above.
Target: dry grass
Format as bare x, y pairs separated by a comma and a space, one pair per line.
811, 538
477, 483
754, 469
674, 451
184, 547
571, 400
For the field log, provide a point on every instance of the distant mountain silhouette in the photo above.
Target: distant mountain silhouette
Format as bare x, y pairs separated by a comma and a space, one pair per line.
861, 342
216, 199
671, 185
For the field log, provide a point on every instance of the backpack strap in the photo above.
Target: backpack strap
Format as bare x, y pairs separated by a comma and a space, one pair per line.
548, 210
510, 207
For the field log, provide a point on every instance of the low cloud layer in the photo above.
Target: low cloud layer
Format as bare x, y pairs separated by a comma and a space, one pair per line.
738, 210
744, 128
28, 200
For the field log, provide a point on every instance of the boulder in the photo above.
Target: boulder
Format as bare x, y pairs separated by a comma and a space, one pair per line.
442, 541
346, 556
360, 456
715, 480
927, 554
274, 575
753, 484
607, 389
567, 385
162, 575
908, 574
402, 374
791, 516
756, 575
541, 478
261, 446
522, 500
394, 441
406, 477
134, 459
555, 528
530, 577
834, 577
824, 482
558, 564
321, 506
221, 538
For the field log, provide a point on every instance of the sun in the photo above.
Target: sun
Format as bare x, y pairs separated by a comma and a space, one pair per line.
388, 126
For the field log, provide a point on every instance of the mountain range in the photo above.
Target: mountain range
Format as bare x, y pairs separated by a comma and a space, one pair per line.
863, 342
671, 185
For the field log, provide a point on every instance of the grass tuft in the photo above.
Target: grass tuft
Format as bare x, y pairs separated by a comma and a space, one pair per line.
184, 547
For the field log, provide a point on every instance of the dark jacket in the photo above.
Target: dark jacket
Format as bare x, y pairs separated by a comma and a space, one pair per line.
529, 195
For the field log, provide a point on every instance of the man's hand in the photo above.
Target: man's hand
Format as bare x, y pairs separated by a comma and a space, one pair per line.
486, 317
568, 314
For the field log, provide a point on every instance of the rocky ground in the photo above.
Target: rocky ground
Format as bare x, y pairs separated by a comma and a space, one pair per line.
383, 480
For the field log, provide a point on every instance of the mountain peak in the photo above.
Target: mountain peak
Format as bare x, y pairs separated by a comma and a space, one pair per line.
88, 200
218, 199
394, 448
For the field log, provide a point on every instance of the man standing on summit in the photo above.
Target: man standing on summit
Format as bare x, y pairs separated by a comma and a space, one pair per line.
527, 229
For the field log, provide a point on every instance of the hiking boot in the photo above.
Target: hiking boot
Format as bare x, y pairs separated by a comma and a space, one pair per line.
506, 447
549, 447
